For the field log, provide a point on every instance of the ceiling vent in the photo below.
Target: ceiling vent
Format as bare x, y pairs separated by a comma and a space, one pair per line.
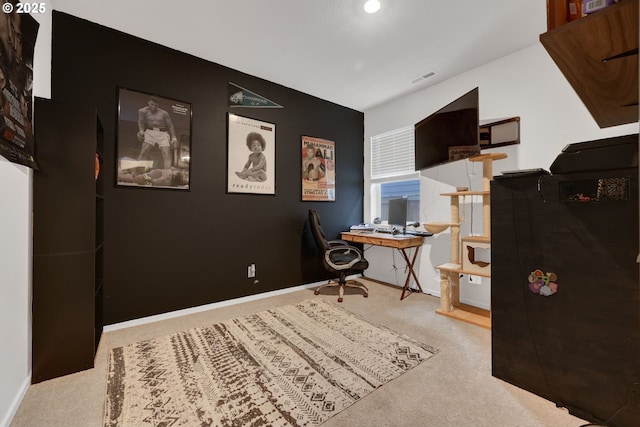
423, 77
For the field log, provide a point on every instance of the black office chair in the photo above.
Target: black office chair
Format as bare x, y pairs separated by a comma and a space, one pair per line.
338, 257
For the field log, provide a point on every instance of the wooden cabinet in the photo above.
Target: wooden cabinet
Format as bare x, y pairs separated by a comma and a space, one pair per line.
598, 54
67, 234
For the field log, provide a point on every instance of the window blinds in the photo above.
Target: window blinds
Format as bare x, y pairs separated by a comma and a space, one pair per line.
392, 153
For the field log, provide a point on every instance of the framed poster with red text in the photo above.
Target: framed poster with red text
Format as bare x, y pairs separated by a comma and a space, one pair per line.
318, 169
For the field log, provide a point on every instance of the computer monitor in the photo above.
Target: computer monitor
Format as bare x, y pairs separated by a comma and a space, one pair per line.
398, 212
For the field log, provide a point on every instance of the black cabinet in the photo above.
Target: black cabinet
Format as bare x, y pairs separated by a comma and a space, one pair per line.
67, 234
580, 346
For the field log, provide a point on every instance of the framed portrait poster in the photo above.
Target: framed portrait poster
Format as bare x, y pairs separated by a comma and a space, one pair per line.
251, 156
154, 141
318, 169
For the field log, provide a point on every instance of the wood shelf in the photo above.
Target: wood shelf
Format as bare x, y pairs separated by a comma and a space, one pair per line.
488, 156
457, 268
598, 55
449, 266
477, 239
469, 314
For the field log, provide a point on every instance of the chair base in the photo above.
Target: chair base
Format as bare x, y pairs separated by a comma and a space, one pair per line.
348, 284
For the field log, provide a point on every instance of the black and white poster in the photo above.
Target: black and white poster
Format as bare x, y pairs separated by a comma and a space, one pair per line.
18, 33
251, 156
154, 141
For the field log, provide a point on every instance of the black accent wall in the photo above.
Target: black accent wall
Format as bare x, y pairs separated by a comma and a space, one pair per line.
168, 249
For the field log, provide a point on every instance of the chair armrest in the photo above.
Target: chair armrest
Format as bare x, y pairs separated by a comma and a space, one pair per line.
338, 242
345, 250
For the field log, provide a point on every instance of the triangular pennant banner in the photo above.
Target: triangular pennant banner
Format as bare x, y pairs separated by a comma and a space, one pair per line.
241, 97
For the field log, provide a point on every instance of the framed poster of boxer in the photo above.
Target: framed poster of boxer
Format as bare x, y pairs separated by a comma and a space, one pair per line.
318, 170
154, 141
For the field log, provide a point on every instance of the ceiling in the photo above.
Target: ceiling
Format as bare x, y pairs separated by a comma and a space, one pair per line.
330, 49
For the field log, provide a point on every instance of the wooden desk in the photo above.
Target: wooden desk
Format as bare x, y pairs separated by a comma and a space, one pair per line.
389, 241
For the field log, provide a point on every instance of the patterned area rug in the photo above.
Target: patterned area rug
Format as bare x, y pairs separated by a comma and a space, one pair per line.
296, 365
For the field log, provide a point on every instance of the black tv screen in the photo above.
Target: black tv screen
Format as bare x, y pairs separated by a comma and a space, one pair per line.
451, 133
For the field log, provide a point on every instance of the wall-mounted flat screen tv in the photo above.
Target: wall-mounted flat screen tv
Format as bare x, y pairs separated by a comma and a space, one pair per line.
451, 133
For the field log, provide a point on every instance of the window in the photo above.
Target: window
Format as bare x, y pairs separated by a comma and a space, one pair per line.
393, 190
393, 174
392, 154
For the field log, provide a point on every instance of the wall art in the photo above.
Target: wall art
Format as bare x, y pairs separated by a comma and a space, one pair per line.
251, 156
154, 141
318, 169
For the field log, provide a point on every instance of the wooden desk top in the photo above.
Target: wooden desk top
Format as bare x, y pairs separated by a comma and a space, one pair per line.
382, 239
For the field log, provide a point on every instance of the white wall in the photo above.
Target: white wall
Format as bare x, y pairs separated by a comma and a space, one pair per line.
15, 252
526, 84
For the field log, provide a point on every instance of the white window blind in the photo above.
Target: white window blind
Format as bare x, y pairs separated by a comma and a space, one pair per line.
392, 153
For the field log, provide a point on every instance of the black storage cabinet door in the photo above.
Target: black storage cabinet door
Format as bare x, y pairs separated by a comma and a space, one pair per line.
579, 347
64, 239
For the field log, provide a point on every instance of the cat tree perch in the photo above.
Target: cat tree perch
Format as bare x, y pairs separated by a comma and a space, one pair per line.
450, 272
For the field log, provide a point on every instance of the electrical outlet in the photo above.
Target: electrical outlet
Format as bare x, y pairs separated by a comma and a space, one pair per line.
251, 271
474, 279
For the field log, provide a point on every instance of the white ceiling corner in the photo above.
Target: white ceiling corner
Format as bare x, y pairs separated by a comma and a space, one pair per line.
331, 49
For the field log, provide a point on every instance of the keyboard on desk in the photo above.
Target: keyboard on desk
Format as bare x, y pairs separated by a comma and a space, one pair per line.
408, 233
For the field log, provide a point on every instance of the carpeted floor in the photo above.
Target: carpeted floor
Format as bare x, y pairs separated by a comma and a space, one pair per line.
295, 365
454, 388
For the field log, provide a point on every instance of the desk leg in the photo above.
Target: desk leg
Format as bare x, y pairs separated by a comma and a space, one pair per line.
410, 264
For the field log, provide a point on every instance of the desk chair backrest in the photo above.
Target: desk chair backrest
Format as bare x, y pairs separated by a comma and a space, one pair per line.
316, 229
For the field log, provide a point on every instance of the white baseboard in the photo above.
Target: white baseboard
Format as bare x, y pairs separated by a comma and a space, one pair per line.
436, 293
13, 408
192, 310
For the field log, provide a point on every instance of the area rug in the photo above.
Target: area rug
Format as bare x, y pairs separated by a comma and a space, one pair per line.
296, 365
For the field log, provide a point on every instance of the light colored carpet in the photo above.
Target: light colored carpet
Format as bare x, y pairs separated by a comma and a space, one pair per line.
296, 365
454, 388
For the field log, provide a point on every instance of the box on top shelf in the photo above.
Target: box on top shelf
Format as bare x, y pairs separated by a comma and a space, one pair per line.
590, 6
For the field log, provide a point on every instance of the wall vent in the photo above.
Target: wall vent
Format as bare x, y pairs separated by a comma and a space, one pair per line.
423, 77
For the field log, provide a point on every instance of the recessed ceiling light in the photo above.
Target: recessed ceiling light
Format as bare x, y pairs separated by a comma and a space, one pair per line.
372, 6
